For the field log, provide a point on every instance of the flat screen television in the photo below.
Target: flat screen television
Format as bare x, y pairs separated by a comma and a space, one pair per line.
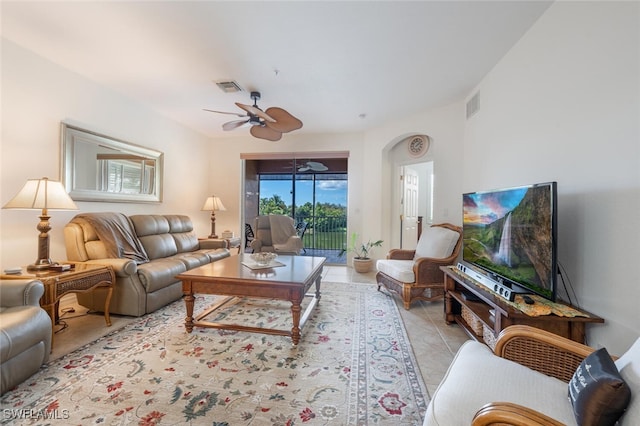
511, 235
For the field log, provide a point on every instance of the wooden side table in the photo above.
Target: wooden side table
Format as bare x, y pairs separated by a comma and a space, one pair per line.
82, 278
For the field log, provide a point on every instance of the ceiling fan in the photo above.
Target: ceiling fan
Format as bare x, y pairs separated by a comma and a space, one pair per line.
313, 166
269, 124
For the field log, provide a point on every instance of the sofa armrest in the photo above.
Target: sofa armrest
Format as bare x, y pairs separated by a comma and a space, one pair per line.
21, 292
213, 244
506, 413
294, 242
256, 245
541, 350
121, 267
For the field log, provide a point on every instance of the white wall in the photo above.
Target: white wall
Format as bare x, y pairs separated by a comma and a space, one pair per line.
225, 167
563, 105
445, 127
36, 96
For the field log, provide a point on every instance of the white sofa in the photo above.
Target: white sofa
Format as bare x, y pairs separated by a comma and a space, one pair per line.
483, 388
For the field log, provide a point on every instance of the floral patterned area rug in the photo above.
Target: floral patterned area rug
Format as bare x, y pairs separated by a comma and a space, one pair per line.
354, 366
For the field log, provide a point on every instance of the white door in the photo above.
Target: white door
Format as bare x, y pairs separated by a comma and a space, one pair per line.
409, 204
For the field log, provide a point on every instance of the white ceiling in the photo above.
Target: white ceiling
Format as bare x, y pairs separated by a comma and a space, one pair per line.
325, 62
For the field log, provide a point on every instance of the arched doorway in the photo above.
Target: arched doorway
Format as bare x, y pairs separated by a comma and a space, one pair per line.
412, 189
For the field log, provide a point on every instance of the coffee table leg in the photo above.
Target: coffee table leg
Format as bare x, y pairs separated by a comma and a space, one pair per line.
188, 321
295, 331
318, 287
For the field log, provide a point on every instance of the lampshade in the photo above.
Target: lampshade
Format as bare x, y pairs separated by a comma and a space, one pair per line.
42, 194
213, 204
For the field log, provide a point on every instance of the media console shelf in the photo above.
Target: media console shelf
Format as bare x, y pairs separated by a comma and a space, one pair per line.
487, 314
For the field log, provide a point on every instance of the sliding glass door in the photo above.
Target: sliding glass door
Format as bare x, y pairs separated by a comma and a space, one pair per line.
313, 192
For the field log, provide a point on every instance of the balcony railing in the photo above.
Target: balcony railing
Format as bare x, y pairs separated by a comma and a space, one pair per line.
324, 232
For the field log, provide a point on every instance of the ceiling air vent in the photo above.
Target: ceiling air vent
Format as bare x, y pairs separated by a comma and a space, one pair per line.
229, 86
473, 105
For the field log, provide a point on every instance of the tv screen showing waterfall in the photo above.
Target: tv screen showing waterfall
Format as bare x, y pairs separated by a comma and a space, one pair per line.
511, 235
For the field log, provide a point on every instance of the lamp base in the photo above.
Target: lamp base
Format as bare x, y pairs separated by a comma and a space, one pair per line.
41, 264
213, 236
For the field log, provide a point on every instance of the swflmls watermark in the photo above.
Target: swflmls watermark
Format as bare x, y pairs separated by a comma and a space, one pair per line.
25, 414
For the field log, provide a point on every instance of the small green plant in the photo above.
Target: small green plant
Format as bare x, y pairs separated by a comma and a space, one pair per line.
361, 250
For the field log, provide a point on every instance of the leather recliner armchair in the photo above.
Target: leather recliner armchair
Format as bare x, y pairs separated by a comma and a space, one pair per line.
25, 331
276, 233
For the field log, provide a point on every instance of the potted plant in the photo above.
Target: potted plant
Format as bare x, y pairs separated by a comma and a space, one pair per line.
361, 260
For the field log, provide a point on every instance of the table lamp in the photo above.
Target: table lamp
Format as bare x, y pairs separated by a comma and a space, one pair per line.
212, 204
47, 195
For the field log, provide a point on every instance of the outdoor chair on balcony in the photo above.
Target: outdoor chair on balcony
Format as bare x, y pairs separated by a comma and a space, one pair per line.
276, 233
415, 274
301, 228
248, 235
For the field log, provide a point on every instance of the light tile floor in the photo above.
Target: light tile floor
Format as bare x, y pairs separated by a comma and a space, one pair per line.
434, 342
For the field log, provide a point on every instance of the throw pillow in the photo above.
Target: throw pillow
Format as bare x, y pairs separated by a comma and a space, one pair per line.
597, 392
436, 242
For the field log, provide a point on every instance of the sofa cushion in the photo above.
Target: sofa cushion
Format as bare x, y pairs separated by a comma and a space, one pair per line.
117, 233
181, 229
401, 270
629, 367
436, 242
476, 377
159, 246
160, 273
193, 259
263, 230
216, 254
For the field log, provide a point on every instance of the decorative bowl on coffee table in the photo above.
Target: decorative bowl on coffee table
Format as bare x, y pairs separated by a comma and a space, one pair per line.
263, 258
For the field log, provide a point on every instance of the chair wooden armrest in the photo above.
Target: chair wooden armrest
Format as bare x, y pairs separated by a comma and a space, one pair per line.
400, 254
506, 413
541, 350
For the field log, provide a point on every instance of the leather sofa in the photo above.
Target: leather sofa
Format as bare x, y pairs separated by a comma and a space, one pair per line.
146, 253
25, 331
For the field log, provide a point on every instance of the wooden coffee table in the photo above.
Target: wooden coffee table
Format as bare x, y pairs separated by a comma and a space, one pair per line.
229, 277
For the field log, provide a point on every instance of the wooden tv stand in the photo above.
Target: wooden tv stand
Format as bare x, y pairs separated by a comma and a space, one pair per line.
489, 314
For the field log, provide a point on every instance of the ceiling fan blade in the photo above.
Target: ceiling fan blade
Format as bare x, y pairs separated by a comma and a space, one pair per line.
316, 166
284, 122
224, 112
263, 132
255, 111
230, 125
